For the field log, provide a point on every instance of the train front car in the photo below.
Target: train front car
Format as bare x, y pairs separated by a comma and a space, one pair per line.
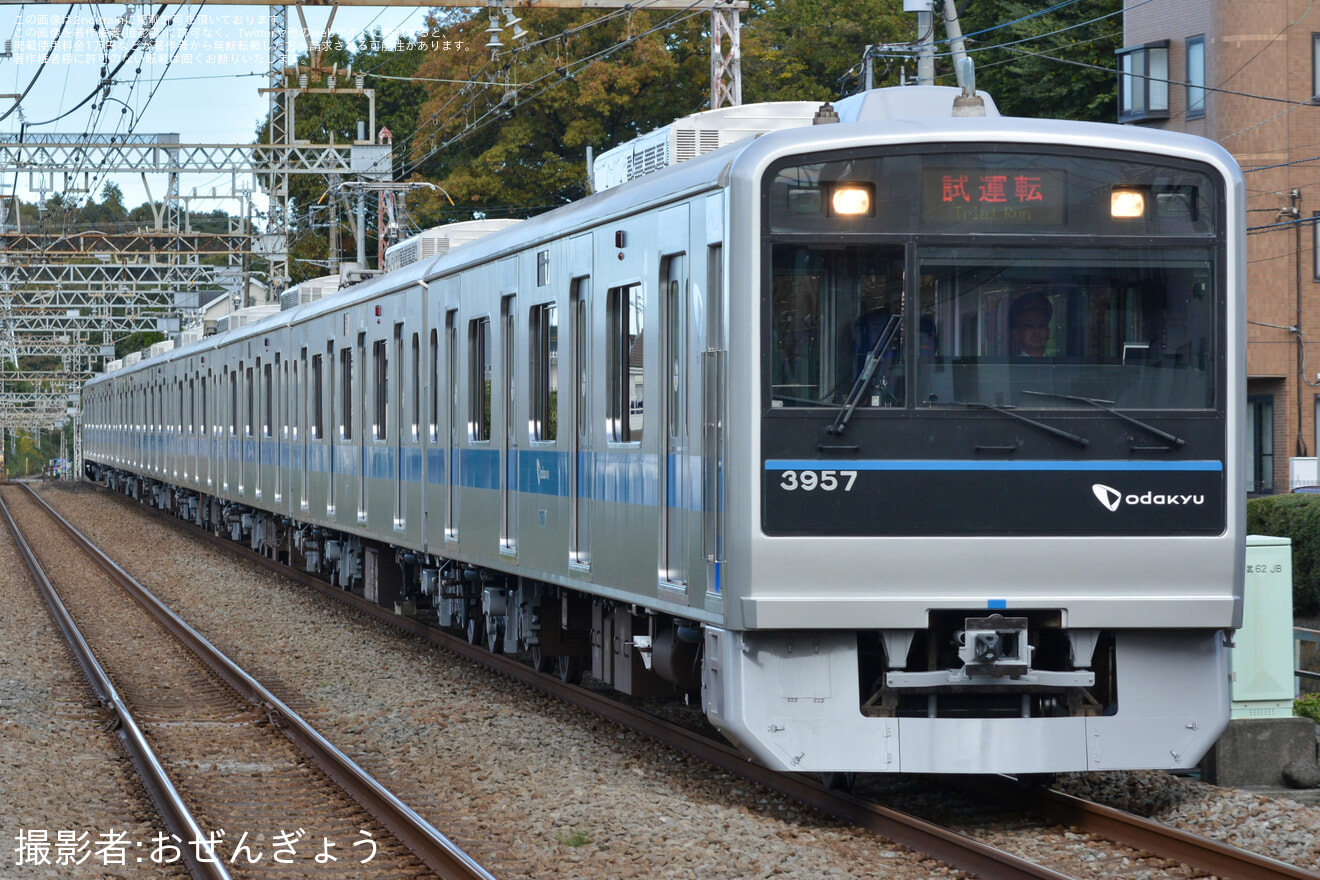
994, 378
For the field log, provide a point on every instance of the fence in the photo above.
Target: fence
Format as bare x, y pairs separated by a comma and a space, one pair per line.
1306, 659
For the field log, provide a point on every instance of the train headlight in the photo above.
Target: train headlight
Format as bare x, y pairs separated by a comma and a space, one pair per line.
851, 200
1126, 203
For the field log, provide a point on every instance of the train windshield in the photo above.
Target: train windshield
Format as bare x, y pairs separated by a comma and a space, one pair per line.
992, 279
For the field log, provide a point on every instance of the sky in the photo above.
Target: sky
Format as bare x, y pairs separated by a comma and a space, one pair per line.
200, 78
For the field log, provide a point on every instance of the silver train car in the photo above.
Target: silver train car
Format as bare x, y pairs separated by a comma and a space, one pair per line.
913, 443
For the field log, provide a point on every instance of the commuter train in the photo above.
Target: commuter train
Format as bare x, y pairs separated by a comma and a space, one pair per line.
912, 441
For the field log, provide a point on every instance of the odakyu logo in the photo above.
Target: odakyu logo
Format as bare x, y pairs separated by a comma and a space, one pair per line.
1112, 499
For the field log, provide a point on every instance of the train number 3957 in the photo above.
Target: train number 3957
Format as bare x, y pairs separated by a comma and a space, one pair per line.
809, 481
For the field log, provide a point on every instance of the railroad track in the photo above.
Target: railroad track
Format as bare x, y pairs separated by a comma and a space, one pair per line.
225, 762
1147, 841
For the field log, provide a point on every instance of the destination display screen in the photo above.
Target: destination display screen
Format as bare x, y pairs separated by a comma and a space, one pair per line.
993, 196
995, 190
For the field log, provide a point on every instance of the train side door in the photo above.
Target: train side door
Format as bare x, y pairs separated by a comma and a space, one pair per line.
579, 458
509, 485
402, 423
674, 489
451, 369
331, 427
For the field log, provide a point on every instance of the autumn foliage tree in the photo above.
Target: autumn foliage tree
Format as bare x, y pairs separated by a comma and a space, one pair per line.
509, 134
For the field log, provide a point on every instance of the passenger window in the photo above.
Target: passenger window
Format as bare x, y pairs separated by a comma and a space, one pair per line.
544, 379
625, 405
479, 373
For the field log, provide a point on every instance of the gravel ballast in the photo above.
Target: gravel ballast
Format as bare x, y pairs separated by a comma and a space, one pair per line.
530, 787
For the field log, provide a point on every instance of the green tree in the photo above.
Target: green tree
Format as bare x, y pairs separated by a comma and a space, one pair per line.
137, 341
509, 135
811, 50
1057, 65
112, 201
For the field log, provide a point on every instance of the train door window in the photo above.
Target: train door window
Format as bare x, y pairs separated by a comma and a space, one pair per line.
581, 380
185, 411
251, 398
314, 390
676, 349
543, 381
479, 375
381, 360
202, 412
282, 407
267, 401
233, 403
625, 401
434, 371
415, 396
346, 387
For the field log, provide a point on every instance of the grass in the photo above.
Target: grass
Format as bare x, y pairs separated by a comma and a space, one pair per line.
573, 838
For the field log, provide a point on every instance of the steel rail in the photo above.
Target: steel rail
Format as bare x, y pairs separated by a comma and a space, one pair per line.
957, 850
1221, 859
169, 803
933, 840
441, 855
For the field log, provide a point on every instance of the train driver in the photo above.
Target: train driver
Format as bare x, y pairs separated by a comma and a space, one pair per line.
1029, 321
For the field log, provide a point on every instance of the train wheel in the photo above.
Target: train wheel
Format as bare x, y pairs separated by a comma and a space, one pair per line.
476, 630
541, 661
495, 640
838, 780
570, 669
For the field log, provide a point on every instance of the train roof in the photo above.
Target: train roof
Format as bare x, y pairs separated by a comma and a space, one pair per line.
911, 114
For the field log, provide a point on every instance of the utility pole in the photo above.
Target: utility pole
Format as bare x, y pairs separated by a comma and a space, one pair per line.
925, 10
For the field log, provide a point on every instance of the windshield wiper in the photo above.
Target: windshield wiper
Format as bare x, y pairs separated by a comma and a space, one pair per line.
864, 378
1008, 411
1108, 406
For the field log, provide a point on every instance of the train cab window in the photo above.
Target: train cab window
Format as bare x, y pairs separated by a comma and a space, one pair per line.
1039, 328
625, 394
479, 385
544, 379
838, 318
1121, 306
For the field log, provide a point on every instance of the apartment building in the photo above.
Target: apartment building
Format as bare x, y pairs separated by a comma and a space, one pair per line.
1246, 74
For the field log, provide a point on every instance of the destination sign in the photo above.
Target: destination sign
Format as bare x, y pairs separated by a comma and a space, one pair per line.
991, 197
